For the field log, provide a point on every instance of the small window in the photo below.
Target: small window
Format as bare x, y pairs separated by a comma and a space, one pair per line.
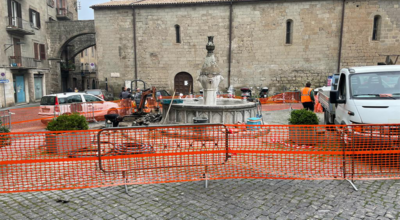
82, 54
342, 87
376, 28
289, 31
34, 18
90, 98
39, 51
178, 34
86, 52
92, 51
75, 99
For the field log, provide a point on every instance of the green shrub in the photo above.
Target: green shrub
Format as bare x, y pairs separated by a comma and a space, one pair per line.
68, 123
303, 117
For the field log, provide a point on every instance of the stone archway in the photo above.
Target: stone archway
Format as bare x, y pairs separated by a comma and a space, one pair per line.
183, 83
66, 40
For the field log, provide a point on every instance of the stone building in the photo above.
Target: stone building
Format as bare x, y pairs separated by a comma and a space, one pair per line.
24, 60
280, 44
88, 66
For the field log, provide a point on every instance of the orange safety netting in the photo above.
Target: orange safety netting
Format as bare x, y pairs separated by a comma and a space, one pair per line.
286, 97
70, 160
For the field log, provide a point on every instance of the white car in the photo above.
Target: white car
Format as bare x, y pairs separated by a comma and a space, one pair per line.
72, 102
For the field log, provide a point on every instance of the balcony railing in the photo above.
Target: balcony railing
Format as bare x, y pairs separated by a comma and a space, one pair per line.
18, 62
19, 26
64, 14
51, 3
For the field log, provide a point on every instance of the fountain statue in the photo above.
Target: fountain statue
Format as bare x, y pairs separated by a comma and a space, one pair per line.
210, 75
216, 110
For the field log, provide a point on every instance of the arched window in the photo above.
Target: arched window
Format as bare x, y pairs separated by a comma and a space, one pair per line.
377, 27
289, 31
178, 34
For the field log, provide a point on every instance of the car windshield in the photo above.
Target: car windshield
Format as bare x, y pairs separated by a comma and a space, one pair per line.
384, 85
94, 92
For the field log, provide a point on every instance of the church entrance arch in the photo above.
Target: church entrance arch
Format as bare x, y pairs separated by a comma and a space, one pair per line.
183, 83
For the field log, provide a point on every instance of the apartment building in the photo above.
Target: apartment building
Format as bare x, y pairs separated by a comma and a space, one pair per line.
24, 65
87, 70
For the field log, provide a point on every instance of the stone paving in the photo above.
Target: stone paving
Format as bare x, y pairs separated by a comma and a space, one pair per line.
224, 199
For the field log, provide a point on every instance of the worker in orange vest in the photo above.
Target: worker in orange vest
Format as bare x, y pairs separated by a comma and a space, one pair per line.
307, 97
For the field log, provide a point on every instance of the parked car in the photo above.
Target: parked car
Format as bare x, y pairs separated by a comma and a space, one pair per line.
83, 103
101, 93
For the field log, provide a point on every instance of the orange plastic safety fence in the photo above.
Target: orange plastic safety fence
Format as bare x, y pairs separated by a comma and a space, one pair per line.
286, 97
68, 160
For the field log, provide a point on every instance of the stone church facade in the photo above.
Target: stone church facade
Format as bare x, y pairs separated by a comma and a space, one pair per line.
279, 44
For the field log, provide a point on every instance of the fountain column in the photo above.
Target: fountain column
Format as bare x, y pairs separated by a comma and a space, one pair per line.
210, 75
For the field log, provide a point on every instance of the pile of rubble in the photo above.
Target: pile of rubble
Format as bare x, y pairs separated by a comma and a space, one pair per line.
140, 119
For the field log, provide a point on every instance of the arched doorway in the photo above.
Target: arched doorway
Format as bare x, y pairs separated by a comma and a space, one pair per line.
183, 83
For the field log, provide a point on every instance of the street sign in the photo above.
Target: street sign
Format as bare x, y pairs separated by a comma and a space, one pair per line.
2, 75
4, 81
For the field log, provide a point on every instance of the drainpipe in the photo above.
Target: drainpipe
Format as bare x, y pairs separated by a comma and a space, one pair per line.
341, 37
134, 44
230, 44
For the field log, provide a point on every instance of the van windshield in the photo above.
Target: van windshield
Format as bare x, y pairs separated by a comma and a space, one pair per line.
384, 85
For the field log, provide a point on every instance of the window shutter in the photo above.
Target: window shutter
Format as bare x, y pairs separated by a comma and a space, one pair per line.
9, 8
19, 12
38, 19
30, 16
35, 49
42, 52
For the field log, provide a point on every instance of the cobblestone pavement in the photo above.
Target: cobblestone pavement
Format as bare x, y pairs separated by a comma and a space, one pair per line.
224, 199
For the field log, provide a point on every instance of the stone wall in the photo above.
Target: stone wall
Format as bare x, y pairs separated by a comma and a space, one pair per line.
114, 43
358, 47
260, 56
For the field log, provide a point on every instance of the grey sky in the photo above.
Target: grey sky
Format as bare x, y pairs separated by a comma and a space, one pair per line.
86, 13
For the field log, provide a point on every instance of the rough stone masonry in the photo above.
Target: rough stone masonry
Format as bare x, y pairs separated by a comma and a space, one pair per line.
260, 54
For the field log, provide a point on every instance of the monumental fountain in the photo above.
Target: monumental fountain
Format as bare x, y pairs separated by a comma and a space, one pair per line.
216, 110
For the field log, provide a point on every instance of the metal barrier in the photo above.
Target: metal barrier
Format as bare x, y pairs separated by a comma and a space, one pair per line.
5, 118
148, 155
160, 150
87, 109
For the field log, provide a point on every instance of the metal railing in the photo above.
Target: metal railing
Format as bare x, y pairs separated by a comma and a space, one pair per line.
63, 12
86, 109
19, 23
22, 62
5, 118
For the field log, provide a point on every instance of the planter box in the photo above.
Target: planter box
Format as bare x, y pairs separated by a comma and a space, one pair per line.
303, 135
63, 143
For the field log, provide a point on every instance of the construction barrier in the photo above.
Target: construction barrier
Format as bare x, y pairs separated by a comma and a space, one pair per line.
147, 155
286, 97
5, 118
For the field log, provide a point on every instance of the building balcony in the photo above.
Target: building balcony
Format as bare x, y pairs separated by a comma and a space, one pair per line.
64, 14
17, 26
21, 63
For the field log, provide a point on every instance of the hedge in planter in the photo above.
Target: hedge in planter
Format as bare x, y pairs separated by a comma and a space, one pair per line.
5, 139
66, 142
303, 135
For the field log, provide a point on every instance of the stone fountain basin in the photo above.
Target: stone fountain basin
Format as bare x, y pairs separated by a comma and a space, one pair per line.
227, 111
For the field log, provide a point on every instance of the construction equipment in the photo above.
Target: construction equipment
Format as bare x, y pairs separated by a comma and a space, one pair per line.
143, 98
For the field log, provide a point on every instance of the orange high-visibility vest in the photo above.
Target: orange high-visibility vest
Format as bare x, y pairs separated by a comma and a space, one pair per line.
306, 94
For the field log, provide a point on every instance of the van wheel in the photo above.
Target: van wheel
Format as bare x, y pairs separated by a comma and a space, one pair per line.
112, 111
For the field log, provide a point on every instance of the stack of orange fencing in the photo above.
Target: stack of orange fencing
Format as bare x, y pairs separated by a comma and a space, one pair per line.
81, 159
286, 97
